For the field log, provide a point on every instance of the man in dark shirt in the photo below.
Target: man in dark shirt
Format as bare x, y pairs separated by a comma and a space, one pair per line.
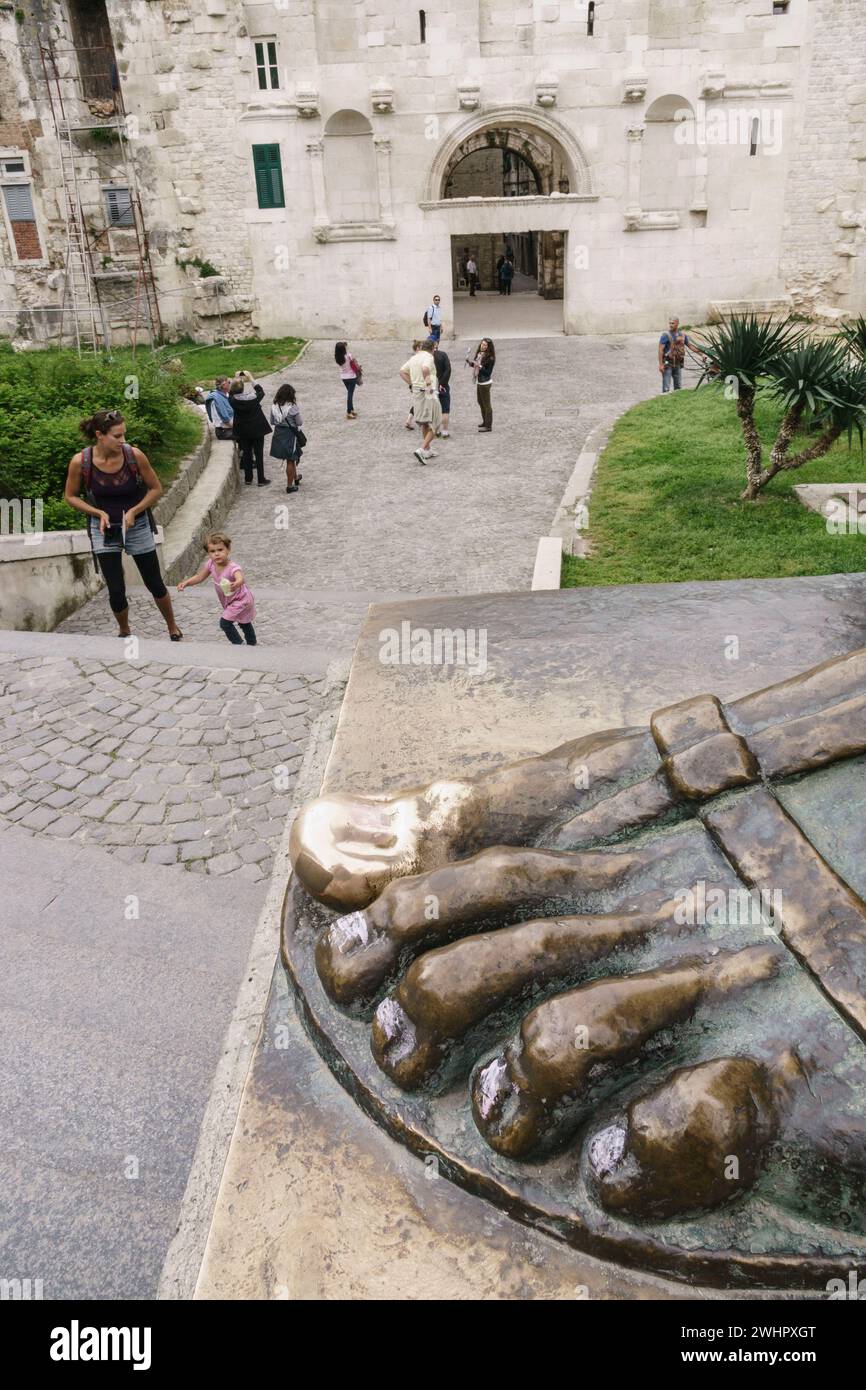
443, 380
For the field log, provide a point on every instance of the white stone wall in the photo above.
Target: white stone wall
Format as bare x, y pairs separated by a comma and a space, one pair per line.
671, 225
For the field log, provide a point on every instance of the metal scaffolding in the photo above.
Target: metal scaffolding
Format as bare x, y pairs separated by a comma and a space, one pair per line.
83, 318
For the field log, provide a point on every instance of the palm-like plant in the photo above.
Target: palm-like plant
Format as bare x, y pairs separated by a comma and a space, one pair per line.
853, 336
740, 353
808, 378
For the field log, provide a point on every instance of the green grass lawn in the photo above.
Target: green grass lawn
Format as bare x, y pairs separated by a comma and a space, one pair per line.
203, 364
45, 393
666, 506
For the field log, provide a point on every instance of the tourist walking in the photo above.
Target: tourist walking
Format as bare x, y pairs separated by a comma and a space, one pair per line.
433, 319
350, 372
482, 364
672, 356
442, 363
120, 488
506, 275
250, 426
234, 594
288, 438
419, 372
219, 408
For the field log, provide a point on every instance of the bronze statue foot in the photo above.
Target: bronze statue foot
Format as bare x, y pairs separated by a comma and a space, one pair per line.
692, 1143
345, 849
360, 953
436, 1006
533, 1092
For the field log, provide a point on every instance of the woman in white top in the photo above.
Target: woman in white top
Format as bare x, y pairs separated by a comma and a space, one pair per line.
350, 373
286, 441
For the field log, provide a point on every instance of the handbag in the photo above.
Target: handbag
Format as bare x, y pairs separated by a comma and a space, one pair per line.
359, 372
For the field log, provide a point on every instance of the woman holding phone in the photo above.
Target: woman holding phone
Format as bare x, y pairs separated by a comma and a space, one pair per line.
120, 487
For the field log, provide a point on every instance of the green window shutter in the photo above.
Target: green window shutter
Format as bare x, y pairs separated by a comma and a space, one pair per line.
269, 176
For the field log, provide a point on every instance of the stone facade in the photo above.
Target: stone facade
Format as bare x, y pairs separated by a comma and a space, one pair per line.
689, 153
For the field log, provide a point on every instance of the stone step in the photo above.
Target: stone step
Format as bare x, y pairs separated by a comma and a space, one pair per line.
310, 661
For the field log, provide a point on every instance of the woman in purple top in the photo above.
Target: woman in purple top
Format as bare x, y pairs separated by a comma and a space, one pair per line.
119, 488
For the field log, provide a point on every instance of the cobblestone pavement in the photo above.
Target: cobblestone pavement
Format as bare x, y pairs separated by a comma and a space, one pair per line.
370, 521
188, 766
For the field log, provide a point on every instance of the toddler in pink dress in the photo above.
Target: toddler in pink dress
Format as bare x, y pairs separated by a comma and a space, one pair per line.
238, 604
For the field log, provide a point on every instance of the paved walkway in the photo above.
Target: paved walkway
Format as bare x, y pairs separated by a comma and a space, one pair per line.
163, 764
370, 523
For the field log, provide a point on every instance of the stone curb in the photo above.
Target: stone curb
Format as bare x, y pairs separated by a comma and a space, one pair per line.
564, 537
204, 509
297, 660
184, 1259
189, 471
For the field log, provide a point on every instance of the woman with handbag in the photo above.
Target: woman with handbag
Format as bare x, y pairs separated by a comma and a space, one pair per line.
288, 438
351, 375
120, 487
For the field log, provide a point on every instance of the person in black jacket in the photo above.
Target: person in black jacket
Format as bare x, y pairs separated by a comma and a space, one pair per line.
250, 425
443, 381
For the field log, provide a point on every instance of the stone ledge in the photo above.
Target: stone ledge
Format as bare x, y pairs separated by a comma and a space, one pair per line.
204, 510
548, 563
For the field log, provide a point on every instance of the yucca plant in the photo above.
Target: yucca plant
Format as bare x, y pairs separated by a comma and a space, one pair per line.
806, 379
853, 336
740, 353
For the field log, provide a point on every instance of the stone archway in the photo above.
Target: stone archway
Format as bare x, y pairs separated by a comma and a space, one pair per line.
544, 143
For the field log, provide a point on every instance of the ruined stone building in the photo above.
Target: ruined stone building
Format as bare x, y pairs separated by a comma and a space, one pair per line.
322, 167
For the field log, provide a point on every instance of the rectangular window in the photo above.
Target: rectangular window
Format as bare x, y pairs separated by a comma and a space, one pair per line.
118, 207
12, 166
266, 64
781, 6
18, 200
269, 176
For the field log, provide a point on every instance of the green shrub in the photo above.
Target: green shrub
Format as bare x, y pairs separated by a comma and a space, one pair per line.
45, 395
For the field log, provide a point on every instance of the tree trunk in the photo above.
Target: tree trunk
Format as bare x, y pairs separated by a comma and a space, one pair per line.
787, 429
785, 465
746, 412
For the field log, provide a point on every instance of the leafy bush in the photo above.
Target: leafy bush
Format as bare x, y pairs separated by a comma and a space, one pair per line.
43, 398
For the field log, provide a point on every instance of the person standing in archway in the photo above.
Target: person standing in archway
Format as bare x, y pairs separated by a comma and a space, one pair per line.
472, 275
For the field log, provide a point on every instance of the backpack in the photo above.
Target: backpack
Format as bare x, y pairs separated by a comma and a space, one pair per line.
676, 350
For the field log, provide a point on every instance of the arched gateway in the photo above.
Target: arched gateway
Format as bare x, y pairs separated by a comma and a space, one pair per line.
502, 186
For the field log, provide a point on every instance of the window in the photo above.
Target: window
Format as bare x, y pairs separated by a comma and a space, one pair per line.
12, 166
269, 176
118, 207
266, 64
18, 204
422, 23
590, 18
781, 6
